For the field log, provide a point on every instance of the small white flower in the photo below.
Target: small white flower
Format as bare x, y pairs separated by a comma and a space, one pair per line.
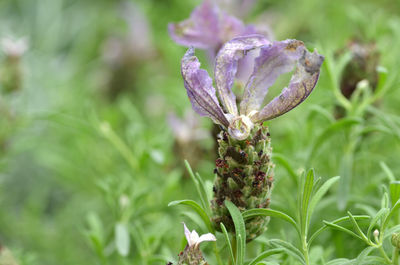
14, 47
194, 239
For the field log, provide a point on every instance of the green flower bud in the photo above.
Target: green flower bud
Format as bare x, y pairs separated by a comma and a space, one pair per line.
396, 240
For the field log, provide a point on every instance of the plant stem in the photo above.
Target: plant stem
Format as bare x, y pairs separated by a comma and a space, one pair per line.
305, 249
217, 256
385, 256
395, 257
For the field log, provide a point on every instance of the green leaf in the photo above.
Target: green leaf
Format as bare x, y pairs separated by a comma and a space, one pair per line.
319, 194
323, 112
337, 221
240, 230
228, 242
362, 256
306, 194
341, 228
122, 239
197, 208
389, 216
269, 212
391, 231
394, 188
290, 249
346, 174
357, 227
387, 171
330, 131
240, 246
266, 254
278, 158
340, 261
200, 187
374, 221
385, 199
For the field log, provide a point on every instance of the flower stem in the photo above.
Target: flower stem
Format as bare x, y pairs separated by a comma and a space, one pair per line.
385, 256
395, 257
305, 249
217, 256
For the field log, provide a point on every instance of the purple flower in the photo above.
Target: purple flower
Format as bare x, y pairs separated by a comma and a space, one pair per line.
208, 28
273, 60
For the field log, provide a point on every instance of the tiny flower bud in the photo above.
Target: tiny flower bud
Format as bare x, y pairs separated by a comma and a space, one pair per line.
376, 233
396, 240
124, 201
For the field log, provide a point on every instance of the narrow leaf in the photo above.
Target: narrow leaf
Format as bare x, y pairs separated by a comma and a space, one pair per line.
228, 242
374, 221
389, 216
199, 187
330, 131
307, 190
341, 228
240, 230
394, 191
269, 212
357, 227
266, 254
278, 158
337, 221
387, 171
319, 194
122, 239
290, 249
197, 208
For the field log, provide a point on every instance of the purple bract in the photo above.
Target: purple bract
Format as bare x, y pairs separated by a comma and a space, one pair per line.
273, 60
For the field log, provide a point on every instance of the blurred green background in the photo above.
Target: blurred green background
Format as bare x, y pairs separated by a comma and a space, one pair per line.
88, 157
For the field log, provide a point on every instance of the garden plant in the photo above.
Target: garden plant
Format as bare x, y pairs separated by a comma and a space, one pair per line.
220, 132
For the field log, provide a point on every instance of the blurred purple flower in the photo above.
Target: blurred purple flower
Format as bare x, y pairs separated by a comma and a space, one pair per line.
240, 8
273, 60
208, 28
137, 45
188, 129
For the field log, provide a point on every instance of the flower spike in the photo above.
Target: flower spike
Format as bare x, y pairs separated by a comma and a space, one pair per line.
199, 87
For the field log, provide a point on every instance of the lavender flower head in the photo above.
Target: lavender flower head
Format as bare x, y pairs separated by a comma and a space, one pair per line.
274, 59
208, 28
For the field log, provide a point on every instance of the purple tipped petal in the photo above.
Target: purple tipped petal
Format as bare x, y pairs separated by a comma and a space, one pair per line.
199, 87
226, 66
274, 60
302, 83
201, 30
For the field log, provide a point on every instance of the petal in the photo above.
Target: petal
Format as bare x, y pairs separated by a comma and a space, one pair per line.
200, 30
226, 66
194, 238
206, 237
302, 83
187, 233
200, 90
231, 27
274, 60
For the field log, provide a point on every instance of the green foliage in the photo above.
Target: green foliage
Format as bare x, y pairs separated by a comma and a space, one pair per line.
86, 178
